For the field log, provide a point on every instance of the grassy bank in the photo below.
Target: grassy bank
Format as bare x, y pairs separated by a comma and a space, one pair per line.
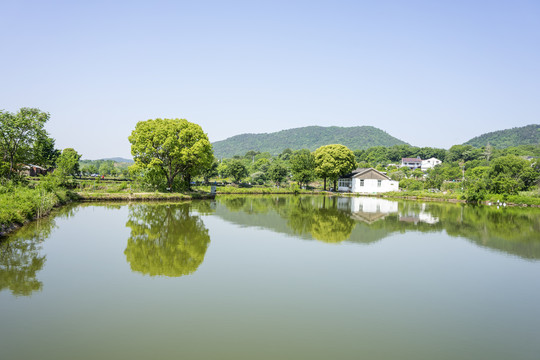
256, 190
141, 196
21, 204
530, 198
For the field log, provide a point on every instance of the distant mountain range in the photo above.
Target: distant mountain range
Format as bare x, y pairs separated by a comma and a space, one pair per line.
356, 137
310, 137
526, 135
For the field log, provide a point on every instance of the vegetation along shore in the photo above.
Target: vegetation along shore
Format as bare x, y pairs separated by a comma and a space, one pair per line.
173, 160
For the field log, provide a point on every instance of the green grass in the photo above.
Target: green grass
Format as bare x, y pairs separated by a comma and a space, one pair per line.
231, 189
524, 198
20, 204
106, 186
125, 196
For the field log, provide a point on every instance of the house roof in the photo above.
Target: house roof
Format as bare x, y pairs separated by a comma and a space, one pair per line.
411, 160
366, 173
33, 166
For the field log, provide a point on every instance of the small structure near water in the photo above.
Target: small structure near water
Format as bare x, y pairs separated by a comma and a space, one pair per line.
367, 181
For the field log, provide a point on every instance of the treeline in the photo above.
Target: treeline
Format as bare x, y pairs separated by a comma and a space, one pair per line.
472, 172
171, 154
24, 147
25, 144
104, 167
327, 163
381, 155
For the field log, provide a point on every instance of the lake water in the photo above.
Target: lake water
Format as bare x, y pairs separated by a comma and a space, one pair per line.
273, 277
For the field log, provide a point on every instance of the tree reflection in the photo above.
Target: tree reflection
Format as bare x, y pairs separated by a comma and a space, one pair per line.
318, 217
331, 225
511, 230
165, 240
20, 258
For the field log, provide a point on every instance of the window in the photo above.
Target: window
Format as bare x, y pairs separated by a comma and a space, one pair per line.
344, 183
361, 182
379, 183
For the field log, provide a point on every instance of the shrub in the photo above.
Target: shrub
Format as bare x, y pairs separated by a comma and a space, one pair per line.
411, 184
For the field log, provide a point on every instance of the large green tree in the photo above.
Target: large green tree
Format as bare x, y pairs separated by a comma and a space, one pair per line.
277, 171
18, 132
333, 161
171, 147
236, 169
302, 166
67, 164
44, 152
511, 174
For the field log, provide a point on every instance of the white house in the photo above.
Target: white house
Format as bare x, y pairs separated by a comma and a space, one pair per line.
367, 209
430, 163
367, 181
411, 163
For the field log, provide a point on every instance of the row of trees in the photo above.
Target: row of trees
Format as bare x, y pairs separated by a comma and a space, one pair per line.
170, 153
481, 168
327, 163
104, 167
380, 155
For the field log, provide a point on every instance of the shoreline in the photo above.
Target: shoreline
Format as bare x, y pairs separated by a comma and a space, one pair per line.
89, 197
5, 230
74, 197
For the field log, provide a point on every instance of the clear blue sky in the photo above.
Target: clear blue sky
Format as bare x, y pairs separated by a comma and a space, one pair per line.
432, 73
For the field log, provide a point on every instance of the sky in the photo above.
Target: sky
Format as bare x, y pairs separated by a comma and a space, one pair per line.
431, 73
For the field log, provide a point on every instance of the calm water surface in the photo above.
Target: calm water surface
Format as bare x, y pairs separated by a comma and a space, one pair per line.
276, 277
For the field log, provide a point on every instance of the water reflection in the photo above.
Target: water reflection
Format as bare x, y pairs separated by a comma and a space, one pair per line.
325, 222
21, 258
166, 239
365, 220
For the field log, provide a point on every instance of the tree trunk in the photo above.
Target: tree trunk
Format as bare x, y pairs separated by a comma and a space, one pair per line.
324, 186
188, 181
11, 162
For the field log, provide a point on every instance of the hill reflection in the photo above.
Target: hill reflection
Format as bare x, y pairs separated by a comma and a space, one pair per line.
365, 220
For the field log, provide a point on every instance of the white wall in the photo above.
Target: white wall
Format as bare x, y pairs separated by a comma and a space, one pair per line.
430, 163
373, 205
371, 186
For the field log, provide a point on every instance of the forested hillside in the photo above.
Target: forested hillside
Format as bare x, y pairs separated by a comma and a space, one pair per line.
526, 135
310, 137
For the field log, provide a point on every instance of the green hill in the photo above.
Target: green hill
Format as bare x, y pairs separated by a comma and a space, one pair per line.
310, 137
526, 135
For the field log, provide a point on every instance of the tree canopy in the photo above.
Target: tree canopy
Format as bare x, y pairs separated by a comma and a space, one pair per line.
68, 162
277, 171
236, 169
171, 147
18, 132
333, 161
302, 166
